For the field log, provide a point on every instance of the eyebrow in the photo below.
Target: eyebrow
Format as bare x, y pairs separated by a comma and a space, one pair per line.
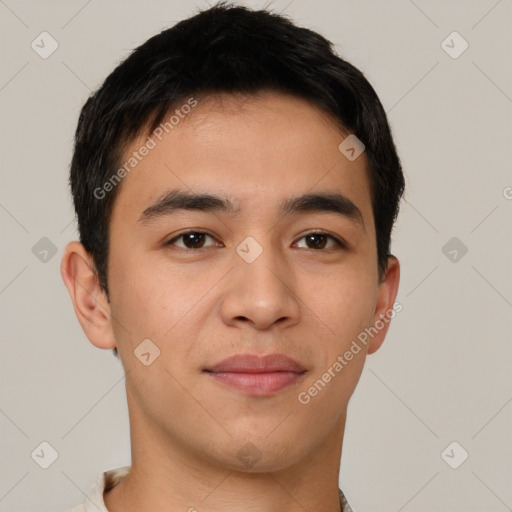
308, 203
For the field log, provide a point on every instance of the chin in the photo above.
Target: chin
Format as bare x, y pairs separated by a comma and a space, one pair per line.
259, 454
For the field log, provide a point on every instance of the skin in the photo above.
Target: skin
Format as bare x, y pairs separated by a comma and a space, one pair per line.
201, 307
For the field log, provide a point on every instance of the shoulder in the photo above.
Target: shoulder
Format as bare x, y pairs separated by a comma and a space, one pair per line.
94, 501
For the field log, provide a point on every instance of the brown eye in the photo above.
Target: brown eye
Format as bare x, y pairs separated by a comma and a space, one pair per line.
320, 241
191, 240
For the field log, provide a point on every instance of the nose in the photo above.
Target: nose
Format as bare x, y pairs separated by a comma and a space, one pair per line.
261, 293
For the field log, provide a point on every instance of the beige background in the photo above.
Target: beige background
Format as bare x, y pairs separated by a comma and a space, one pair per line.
444, 372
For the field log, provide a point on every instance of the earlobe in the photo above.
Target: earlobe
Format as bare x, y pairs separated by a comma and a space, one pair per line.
384, 310
89, 300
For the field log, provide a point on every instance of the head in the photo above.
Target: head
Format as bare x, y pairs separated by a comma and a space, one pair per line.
228, 127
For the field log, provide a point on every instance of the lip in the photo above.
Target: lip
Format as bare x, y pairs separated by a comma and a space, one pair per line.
257, 375
253, 363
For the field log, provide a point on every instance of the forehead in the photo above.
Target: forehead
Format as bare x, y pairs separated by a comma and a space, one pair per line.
258, 150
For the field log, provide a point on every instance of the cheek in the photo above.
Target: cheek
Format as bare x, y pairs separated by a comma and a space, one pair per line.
155, 299
342, 301
138, 304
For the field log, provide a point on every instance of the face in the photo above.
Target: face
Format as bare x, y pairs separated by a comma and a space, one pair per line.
252, 270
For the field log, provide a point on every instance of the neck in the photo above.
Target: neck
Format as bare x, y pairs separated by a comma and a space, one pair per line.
166, 476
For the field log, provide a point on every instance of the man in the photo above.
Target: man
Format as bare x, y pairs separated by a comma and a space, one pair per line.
236, 184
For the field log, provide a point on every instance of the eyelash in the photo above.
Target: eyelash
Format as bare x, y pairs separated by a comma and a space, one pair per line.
340, 244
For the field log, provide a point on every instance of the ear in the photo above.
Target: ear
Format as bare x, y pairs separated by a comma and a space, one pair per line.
89, 300
384, 310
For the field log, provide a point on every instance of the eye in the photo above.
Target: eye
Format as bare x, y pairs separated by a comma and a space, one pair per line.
197, 240
192, 240
319, 240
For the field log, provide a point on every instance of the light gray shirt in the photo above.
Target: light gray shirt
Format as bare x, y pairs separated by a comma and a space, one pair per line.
94, 501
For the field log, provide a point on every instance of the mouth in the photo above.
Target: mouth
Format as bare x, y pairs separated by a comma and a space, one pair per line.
256, 375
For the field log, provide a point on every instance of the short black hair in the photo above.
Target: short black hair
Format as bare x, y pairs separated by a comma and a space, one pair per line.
224, 49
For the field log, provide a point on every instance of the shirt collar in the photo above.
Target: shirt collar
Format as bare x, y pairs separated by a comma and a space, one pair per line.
95, 503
